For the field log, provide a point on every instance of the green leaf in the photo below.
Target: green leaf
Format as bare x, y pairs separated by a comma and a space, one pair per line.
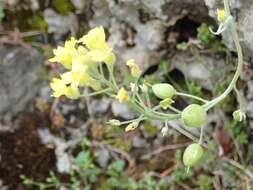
118, 165
83, 159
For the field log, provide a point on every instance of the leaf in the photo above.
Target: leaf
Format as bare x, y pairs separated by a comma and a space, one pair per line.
118, 165
83, 159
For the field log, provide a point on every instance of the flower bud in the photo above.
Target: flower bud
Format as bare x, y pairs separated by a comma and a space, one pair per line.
134, 87
144, 88
131, 126
122, 95
114, 122
165, 130
221, 15
194, 115
192, 154
163, 90
135, 70
239, 116
166, 103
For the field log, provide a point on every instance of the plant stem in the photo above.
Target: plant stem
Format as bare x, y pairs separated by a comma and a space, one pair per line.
239, 98
182, 131
174, 109
232, 29
191, 96
148, 99
112, 78
96, 93
201, 135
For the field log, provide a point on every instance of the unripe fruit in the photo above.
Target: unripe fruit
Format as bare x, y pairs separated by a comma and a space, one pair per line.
192, 154
194, 116
163, 90
239, 116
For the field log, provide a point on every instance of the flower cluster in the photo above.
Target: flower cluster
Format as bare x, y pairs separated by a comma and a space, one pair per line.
81, 58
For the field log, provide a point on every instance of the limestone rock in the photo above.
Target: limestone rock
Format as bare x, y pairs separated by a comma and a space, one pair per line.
243, 13
20, 81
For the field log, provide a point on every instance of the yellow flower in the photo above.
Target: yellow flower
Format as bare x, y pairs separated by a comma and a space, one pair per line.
79, 76
64, 55
122, 95
221, 15
110, 59
95, 39
131, 126
60, 88
100, 51
135, 70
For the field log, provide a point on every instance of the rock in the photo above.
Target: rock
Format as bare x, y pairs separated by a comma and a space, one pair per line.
122, 110
64, 163
99, 105
2, 186
201, 69
243, 11
139, 142
137, 28
59, 24
103, 157
81, 5
249, 109
20, 81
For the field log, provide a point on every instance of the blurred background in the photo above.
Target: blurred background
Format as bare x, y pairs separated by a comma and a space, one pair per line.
48, 143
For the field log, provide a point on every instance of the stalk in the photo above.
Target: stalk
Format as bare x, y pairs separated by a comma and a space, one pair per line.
232, 29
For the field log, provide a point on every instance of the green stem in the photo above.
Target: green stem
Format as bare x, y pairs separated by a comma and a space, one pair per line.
142, 117
135, 87
174, 109
239, 97
232, 29
101, 70
96, 93
182, 131
148, 99
201, 135
191, 96
138, 108
140, 100
112, 78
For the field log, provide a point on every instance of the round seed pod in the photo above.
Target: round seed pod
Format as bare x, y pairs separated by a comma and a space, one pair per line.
163, 90
194, 115
239, 115
192, 154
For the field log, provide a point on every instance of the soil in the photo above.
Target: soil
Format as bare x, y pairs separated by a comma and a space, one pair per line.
22, 153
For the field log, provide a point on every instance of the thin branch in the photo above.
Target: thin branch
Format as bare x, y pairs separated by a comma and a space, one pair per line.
163, 149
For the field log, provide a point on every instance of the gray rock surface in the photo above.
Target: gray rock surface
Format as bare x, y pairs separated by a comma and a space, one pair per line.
243, 13
138, 27
141, 24
205, 70
20, 80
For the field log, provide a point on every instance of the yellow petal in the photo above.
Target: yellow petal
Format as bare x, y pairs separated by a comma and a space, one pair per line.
110, 59
122, 95
221, 15
59, 87
72, 92
99, 55
131, 126
94, 84
135, 70
67, 77
95, 39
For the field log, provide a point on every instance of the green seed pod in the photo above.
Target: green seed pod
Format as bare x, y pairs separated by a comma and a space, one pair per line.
163, 90
194, 116
239, 116
192, 154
